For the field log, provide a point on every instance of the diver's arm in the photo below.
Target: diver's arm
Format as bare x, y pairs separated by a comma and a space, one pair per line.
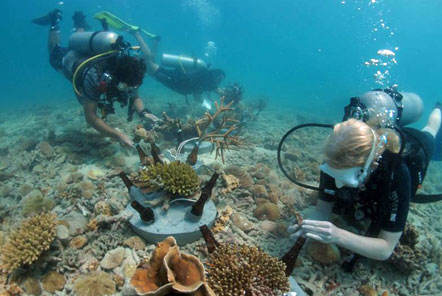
90, 113
142, 111
374, 248
152, 67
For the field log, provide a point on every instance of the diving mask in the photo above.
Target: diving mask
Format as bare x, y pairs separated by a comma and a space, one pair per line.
343, 177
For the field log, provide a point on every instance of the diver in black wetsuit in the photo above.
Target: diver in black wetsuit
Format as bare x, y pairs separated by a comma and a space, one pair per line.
196, 79
363, 174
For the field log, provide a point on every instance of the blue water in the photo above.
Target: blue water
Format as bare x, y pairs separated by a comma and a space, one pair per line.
306, 54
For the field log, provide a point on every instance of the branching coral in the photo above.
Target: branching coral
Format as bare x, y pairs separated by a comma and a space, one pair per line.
244, 270
97, 283
175, 177
29, 241
222, 135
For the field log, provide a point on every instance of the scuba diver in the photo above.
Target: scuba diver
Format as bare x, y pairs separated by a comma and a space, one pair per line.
101, 70
184, 75
372, 168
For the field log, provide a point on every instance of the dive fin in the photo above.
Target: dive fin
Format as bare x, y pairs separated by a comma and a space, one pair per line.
51, 19
80, 21
207, 104
437, 154
118, 24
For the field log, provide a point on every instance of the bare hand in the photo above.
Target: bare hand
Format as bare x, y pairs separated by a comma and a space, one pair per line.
149, 117
125, 141
323, 231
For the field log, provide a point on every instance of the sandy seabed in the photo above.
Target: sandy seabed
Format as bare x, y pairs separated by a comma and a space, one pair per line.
49, 152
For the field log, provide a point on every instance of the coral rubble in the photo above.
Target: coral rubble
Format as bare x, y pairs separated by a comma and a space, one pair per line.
96, 283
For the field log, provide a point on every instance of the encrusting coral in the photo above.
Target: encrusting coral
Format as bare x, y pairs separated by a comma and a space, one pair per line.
25, 244
170, 271
36, 204
236, 270
96, 283
175, 177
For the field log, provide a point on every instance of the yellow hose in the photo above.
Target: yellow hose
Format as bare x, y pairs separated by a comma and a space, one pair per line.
74, 77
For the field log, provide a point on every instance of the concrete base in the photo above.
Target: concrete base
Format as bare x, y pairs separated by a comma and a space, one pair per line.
205, 147
174, 222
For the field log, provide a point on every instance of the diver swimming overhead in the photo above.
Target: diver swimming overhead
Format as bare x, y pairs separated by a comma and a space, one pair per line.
102, 71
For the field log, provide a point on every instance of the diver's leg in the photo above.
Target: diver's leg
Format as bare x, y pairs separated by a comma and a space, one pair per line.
434, 121
53, 39
151, 66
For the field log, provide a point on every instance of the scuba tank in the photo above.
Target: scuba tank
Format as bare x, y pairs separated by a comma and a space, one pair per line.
183, 62
413, 108
93, 43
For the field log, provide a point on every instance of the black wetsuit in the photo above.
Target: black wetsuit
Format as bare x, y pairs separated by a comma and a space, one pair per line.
198, 81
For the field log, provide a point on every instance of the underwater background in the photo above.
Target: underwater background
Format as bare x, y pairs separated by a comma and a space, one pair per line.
306, 55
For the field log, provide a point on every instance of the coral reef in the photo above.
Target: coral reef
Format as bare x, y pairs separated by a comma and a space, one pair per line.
170, 271
25, 244
104, 243
53, 281
96, 283
135, 242
71, 260
176, 178
236, 270
324, 253
36, 203
268, 211
78, 242
233, 92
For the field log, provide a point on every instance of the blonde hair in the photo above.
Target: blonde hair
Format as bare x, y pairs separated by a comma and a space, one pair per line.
349, 145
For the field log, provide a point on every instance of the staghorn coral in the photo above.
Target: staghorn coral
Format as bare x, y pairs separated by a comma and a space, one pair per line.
236, 270
25, 244
176, 178
96, 283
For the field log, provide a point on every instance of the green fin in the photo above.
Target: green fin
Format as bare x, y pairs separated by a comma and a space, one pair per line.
116, 23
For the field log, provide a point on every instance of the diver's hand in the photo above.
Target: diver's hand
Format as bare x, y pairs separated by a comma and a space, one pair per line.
295, 231
323, 231
125, 141
149, 117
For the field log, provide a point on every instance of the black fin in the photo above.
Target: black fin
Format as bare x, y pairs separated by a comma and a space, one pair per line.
51, 19
80, 21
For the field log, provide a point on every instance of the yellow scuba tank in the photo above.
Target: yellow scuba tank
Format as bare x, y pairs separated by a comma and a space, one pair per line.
93, 43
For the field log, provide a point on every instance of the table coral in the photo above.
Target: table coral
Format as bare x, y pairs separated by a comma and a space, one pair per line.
236, 270
25, 244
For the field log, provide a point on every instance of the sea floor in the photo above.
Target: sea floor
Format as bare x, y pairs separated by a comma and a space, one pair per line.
48, 152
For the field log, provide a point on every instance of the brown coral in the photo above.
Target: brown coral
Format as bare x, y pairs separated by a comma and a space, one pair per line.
135, 242
53, 281
268, 211
78, 242
236, 270
324, 253
170, 271
29, 241
96, 283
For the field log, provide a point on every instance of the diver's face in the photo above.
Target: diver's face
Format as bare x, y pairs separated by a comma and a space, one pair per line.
122, 86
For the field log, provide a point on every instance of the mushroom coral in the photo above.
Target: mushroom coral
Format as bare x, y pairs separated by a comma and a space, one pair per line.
170, 271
